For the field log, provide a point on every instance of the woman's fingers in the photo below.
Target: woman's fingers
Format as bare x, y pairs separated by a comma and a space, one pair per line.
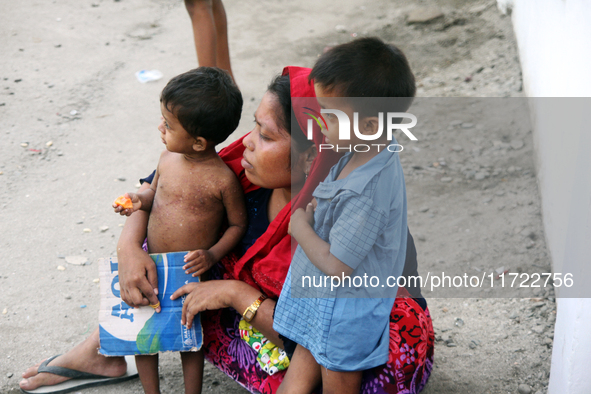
186, 289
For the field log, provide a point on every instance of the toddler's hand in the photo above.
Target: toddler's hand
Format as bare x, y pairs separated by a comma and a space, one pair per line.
127, 204
198, 261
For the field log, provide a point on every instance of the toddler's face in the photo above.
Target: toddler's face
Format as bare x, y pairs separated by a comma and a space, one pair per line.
173, 135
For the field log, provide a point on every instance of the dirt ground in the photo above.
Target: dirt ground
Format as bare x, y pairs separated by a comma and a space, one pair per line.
78, 129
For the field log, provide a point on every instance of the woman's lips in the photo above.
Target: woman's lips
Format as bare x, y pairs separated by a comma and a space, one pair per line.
245, 164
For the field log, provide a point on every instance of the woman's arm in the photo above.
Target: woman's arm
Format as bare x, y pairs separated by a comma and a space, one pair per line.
217, 294
137, 271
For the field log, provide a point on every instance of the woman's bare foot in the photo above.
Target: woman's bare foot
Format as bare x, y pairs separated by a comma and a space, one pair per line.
83, 357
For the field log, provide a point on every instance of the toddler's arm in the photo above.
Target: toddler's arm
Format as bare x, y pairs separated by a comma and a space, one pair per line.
199, 261
141, 200
317, 250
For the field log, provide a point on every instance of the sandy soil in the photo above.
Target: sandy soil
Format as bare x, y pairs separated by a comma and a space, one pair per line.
78, 129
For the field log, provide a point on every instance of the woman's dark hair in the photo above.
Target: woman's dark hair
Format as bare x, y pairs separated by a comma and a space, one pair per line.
280, 87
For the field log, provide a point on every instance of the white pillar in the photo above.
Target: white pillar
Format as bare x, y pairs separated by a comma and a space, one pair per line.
555, 54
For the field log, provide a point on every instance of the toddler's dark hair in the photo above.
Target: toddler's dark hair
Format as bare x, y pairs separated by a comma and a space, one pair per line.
206, 102
365, 67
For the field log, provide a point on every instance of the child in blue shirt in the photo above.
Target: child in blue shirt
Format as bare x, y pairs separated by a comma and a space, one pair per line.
355, 227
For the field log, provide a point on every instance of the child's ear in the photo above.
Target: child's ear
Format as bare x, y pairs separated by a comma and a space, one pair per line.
369, 125
200, 144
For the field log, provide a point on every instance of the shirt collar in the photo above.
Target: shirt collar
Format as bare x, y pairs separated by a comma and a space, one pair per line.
358, 179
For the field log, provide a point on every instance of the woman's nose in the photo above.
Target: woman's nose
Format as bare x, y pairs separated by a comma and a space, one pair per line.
247, 142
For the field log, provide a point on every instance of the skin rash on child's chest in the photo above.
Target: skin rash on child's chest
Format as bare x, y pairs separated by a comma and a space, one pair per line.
188, 211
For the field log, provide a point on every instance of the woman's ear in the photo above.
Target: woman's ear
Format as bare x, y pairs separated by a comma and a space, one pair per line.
200, 144
309, 156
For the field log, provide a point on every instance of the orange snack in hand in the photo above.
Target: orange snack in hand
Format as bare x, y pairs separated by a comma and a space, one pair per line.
124, 202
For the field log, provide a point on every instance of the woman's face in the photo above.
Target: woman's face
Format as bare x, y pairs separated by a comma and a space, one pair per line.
267, 159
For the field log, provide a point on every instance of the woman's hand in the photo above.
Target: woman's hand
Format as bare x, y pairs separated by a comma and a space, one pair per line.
138, 279
201, 296
198, 261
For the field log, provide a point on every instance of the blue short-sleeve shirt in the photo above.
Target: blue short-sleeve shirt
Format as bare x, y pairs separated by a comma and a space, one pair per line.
363, 218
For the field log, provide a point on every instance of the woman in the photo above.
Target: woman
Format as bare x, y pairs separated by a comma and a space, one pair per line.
271, 181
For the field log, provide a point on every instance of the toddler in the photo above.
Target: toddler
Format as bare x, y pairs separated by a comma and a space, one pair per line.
193, 194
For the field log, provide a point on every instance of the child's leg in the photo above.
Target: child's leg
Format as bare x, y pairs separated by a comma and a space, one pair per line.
303, 373
204, 31
221, 26
341, 382
192, 371
147, 367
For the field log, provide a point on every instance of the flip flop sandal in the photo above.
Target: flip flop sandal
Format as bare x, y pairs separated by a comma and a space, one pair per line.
79, 380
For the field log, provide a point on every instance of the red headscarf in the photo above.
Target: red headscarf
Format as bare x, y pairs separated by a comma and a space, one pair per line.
265, 264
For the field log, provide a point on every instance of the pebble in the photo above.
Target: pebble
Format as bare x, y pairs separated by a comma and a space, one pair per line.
457, 148
424, 15
539, 329
80, 222
83, 306
517, 144
340, 28
524, 389
68, 297
87, 230
9, 375
121, 179
97, 280
481, 175
424, 209
104, 228
76, 260
49, 143
4, 311
61, 268
459, 322
24, 144
73, 112
444, 310
446, 179
421, 237
467, 125
455, 123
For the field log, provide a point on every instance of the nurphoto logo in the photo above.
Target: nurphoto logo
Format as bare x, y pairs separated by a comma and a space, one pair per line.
392, 120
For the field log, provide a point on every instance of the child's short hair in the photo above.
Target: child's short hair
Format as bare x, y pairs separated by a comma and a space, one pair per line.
206, 102
365, 67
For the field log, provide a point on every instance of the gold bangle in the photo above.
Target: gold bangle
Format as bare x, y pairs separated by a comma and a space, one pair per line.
156, 306
249, 313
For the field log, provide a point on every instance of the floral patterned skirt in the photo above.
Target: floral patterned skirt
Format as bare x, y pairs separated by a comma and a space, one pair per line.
407, 370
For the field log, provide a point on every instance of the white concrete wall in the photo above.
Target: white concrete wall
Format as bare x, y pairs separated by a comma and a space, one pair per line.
554, 39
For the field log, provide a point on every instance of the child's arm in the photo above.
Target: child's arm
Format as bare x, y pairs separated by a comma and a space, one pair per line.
142, 200
199, 261
317, 250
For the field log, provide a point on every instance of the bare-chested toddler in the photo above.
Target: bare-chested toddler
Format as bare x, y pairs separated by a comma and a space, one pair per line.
193, 193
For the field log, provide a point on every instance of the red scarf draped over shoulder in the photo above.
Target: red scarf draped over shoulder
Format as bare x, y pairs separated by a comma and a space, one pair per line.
265, 264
